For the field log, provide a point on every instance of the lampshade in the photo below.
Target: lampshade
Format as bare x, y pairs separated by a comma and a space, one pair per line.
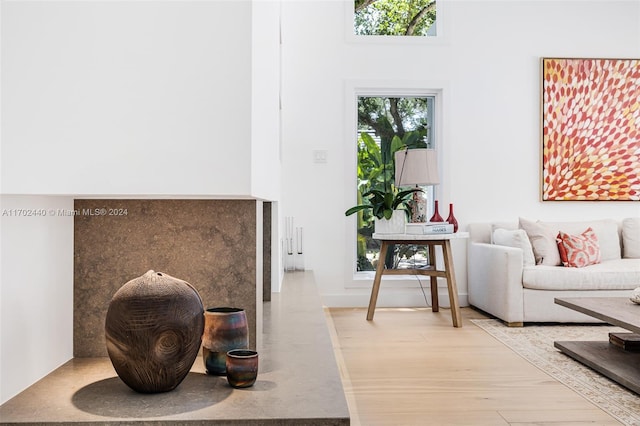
416, 167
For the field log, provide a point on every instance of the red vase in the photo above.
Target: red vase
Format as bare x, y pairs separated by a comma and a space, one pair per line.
452, 219
436, 216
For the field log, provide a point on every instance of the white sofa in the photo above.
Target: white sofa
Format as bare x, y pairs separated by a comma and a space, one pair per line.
513, 271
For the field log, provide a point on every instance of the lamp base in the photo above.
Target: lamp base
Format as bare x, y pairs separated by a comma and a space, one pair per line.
418, 206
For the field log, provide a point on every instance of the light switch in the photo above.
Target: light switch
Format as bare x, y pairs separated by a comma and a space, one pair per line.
320, 156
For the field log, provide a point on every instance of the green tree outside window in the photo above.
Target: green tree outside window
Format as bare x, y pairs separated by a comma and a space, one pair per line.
395, 17
385, 125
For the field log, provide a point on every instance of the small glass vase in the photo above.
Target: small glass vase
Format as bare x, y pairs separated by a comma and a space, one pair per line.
452, 219
436, 215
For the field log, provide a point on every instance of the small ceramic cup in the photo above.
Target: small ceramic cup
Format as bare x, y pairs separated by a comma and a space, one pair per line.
242, 367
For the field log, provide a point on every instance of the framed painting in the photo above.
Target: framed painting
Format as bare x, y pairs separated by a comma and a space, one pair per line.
590, 129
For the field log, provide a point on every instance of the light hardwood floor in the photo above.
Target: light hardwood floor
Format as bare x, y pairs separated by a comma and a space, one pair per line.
411, 367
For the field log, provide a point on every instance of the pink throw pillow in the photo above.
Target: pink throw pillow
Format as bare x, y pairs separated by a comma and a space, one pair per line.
578, 250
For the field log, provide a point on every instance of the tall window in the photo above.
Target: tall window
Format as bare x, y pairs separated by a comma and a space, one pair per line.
395, 17
386, 125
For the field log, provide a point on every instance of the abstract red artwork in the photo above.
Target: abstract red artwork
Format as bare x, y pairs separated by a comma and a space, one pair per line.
591, 129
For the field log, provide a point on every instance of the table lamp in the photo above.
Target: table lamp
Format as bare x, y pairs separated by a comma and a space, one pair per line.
417, 167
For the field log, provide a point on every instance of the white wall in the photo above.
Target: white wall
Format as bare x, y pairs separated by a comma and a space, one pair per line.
265, 119
36, 292
123, 99
487, 67
133, 97
154, 98
265, 97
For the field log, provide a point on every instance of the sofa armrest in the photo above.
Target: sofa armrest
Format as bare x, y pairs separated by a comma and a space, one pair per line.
495, 281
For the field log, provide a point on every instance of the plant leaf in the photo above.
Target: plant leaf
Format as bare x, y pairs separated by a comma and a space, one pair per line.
356, 209
396, 144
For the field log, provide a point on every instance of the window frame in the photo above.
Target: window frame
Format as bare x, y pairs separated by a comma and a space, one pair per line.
354, 90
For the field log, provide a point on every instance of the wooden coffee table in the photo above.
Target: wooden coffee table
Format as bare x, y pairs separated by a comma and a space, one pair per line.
607, 359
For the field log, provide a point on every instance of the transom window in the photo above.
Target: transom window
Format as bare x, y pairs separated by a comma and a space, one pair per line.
395, 17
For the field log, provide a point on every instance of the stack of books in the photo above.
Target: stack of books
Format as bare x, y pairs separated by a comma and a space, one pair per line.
626, 341
428, 228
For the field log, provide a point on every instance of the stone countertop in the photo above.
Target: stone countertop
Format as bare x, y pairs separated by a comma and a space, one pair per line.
298, 380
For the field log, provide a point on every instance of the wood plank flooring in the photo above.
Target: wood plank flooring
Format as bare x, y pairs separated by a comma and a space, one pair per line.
411, 367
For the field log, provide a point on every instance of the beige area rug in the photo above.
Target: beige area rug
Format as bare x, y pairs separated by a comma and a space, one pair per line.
535, 344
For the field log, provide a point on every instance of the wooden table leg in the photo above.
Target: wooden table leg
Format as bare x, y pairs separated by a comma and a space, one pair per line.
376, 281
451, 284
435, 305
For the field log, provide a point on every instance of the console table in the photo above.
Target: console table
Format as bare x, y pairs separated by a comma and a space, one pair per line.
431, 242
607, 359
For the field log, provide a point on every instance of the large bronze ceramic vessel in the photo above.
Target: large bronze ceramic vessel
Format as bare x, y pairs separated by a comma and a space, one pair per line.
154, 330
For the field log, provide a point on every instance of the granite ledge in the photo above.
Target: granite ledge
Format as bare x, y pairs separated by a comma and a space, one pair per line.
298, 381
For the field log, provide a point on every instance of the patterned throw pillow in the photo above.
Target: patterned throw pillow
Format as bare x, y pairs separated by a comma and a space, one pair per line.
578, 250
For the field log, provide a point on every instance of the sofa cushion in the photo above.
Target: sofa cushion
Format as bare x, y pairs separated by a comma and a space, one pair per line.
509, 226
543, 238
619, 274
578, 251
515, 238
631, 238
544, 252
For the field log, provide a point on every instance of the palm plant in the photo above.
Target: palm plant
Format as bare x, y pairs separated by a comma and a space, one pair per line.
377, 196
375, 174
